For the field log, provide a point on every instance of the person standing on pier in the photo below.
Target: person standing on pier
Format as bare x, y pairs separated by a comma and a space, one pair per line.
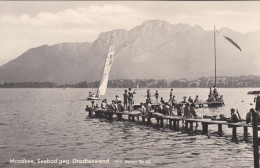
192, 111
174, 102
190, 99
179, 110
125, 96
196, 99
156, 96
130, 99
186, 111
171, 93
148, 94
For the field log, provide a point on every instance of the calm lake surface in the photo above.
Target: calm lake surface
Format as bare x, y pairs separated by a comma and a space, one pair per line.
52, 124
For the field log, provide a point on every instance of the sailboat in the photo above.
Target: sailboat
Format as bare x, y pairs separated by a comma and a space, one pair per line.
215, 58
104, 77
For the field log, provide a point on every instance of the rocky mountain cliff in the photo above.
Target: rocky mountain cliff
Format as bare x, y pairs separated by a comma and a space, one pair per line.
155, 49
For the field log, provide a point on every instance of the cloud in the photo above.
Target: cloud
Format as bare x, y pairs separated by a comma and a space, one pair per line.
224, 13
70, 25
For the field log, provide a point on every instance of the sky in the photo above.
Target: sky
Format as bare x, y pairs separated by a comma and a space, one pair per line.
29, 24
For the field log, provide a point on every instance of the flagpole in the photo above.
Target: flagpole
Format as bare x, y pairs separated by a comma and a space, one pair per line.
215, 57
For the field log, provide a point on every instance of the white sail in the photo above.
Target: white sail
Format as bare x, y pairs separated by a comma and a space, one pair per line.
108, 63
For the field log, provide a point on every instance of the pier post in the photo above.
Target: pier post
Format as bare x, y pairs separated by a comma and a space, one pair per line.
129, 117
178, 125
205, 128
220, 132
245, 133
143, 119
133, 118
161, 122
148, 120
234, 134
137, 117
255, 133
157, 122
191, 125
170, 123
174, 124
186, 124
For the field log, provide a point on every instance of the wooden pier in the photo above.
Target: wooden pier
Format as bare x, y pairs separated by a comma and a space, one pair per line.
173, 122
197, 105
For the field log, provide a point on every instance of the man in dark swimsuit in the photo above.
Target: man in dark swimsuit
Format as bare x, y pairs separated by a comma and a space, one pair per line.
125, 96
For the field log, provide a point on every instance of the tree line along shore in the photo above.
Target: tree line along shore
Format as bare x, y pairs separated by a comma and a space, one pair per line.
203, 82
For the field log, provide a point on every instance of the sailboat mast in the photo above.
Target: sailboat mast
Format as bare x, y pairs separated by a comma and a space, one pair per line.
103, 68
215, 57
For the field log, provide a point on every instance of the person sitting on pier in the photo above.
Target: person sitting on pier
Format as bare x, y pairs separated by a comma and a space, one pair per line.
196, 99
190, 99
215, 92
179, 110
221, 100
93, 104
120, 106
249, 116
160, 108
117, 99
234, 118
142, 109
184, 100
210, 99
149, 108
114, 106
91, 94
156, 96
162, 101
166, 109
186, 111
125, 96
104, 104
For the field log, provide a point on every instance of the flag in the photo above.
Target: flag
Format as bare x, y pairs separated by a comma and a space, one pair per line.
230, 40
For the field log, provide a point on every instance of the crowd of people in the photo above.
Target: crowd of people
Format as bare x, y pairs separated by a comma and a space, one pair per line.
170, 107
214, 96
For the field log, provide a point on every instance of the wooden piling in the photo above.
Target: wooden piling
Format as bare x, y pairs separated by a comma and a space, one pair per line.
255, 139
220, 132
143, 119
191, 125
245, 133
205, 128
148, 120
161, 122
234, 133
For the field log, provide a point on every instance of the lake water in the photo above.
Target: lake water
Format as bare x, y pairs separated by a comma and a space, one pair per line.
52, 124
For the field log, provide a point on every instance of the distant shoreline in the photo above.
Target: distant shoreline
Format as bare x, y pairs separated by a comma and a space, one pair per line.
203, 82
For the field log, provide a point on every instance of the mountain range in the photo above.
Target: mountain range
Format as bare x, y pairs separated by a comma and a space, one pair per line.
153, 50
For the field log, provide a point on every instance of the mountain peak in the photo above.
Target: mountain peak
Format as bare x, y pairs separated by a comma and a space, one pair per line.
155, 49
